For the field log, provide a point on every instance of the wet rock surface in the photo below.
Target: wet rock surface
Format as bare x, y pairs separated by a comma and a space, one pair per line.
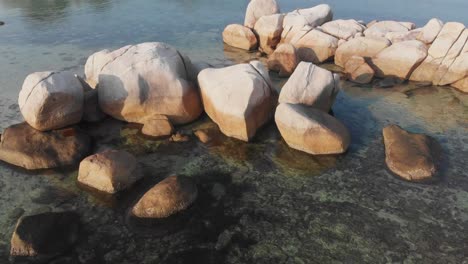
23, 146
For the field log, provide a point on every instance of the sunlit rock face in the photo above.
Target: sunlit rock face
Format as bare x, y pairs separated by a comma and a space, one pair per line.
360, 46
51, 100
430, 31
239, 36
284, 60
311, 130
26, 147
258, 8
413, 157
139, 81
239, 98
168, 197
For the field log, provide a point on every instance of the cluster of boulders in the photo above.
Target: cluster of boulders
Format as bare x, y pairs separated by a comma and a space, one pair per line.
155, 85
434, 54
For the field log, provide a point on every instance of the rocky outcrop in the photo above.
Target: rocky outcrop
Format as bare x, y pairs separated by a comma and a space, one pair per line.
430, 31
413, 157
311, 130
239, 98
240, 37
400, 59
258, 8
284, 60
343, 29
109, 171
157, 126
312, 17
312, 86
314, 45
168, 197
360, 46
46, 234
358, 70
26, 147
51, 100
268, 30
149, 79
437, 52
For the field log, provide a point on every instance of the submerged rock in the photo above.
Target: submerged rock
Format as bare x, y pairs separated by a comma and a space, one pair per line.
168, 197
157, 126
268, 30
109, 171
239, 36
239, 99
45, 234
360, 46
284, 60
413, 157
312, 86
358, 70
51, 100
149, 79
26, 147
311, 130
258, 8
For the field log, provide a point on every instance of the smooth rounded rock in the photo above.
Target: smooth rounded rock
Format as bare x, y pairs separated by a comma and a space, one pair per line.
314, 45
168, 197
343, 29
239, 36
284, 60
268, 30
430, 31
258, 8
358, 70
360, 46
157, 126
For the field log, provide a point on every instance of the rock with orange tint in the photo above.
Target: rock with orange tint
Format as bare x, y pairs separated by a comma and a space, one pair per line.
239, 36
314, 45
360, 46
239, 99
157, 126
413, 157
358, 70
268, 30
284, 60
311, 130
168, 197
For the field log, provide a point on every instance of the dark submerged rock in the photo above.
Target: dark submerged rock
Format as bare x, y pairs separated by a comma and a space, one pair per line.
23, 146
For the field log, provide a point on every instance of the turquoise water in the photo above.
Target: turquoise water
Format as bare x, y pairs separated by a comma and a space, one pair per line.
260, 202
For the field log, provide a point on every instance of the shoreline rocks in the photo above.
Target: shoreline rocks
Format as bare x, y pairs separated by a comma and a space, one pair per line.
258, 8
284, 60
413, 157
358, 70
239, 36
268, 30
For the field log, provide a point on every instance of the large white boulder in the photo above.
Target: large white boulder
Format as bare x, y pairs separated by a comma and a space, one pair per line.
239, 98
360, 46
311, 130
149, 79
240, 37
97, 61
284, 60
312, 86
430, 31
258, 8
343, 29
400, 59
296, 20
51, 100
314, 45
381, 28
268, 29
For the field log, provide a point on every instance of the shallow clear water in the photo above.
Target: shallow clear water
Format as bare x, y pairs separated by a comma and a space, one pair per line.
260, 202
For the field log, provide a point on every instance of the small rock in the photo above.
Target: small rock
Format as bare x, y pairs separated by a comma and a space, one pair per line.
414, 157
45, 234
157, 126
358, 70
283, 60
203, 136
109, 171
168, 197
179, 137
240, 37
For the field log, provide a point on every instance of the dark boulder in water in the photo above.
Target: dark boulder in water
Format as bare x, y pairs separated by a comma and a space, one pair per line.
23, 146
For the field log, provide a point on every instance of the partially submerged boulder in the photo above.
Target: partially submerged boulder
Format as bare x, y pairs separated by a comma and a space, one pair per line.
51, 100
239, 36
312, 17
46, 234
239, 98
400, 59
109, 171
314, 45
430, 31
312, 86
168, 197
26, 147
268, 30
358, 70
157, 126
284, 60
413, 157
258, 8
343, 29
149, 79
360, 46
311, 130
